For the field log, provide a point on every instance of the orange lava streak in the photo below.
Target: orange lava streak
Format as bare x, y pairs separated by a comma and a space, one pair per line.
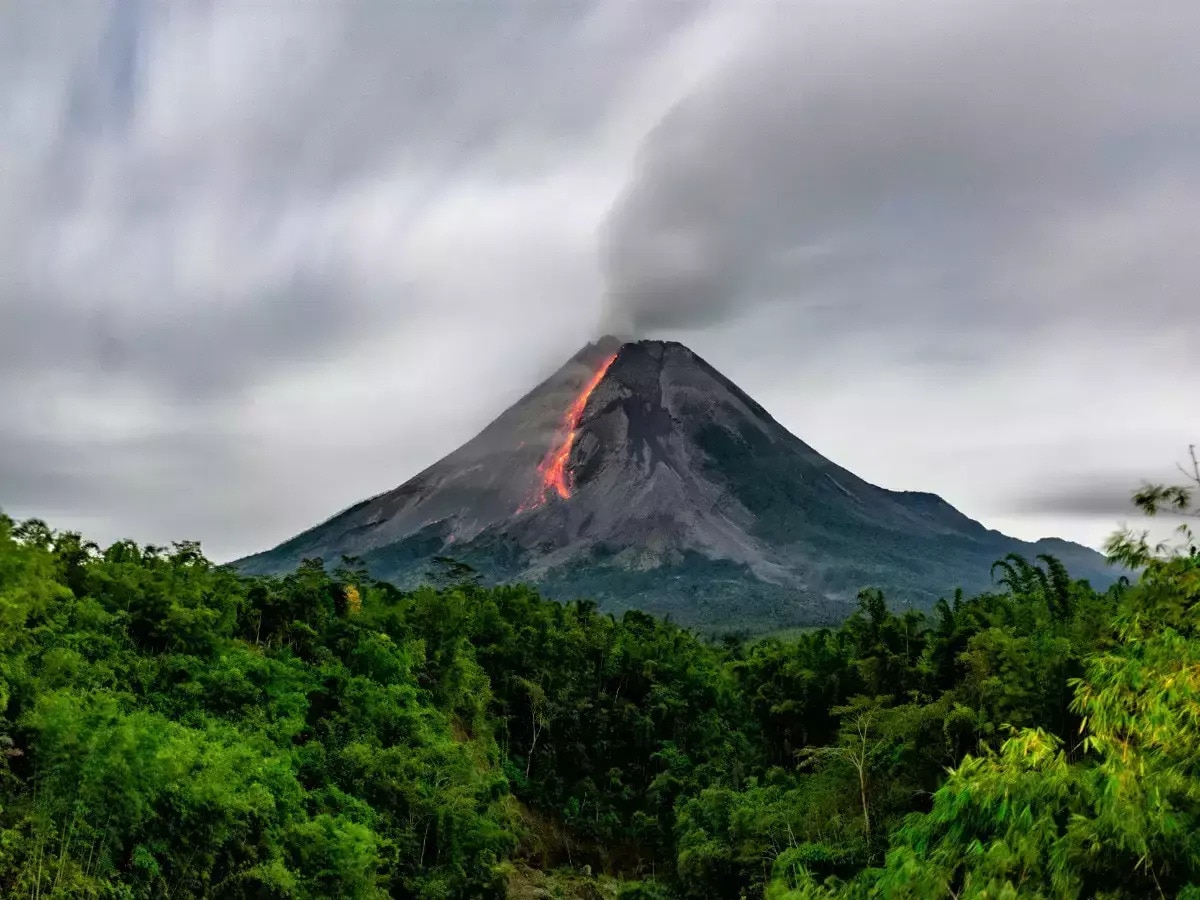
553, 468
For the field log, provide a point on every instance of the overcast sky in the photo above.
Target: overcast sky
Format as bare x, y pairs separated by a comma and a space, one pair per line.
259, 260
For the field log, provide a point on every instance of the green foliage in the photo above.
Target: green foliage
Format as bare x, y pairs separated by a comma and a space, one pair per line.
173, 729
169, 728
1109, 808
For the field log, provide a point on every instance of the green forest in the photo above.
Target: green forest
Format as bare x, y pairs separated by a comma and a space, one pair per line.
172, 729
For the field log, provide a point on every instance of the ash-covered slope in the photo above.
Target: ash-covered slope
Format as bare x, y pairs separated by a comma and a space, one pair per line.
639, 476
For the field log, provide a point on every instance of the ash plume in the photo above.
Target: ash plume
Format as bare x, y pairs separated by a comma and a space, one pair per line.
894, 168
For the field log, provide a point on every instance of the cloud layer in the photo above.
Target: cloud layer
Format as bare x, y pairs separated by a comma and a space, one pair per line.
259, 261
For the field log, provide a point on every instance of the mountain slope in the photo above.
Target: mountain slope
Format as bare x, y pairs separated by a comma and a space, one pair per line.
639, 476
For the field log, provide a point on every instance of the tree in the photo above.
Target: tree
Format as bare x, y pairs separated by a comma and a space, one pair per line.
1132, 548
858, 744
449, 572
538, 720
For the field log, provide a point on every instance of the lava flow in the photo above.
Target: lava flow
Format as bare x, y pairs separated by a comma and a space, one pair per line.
553, 468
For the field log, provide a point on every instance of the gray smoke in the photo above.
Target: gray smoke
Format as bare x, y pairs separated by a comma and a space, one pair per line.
901, 163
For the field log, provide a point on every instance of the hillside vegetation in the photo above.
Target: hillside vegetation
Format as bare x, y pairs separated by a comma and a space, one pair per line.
172, 729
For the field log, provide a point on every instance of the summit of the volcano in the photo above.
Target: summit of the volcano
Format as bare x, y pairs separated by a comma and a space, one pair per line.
639, 476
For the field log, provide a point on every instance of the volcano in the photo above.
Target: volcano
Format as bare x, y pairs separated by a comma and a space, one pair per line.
640, 477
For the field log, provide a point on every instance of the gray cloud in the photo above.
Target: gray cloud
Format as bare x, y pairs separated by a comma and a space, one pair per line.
1105, 497
259, 261
191, 217
1105, 501
909, 163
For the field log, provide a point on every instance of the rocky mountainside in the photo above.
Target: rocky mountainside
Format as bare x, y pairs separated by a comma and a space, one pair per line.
639, 476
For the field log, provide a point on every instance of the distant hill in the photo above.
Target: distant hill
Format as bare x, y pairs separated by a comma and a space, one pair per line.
639, 476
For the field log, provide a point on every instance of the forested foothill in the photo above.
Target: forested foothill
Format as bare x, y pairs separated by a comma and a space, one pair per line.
172, 729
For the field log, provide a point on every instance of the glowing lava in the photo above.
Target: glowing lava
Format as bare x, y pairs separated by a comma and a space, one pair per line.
553, 468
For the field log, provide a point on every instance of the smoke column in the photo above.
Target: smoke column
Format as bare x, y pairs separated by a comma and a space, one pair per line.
884, 165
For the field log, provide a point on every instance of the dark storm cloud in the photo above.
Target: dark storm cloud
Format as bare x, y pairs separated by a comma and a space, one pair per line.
901, 162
